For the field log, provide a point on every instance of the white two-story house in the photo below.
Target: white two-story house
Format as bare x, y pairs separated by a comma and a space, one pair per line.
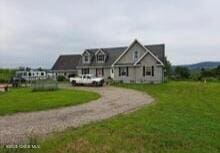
136, 63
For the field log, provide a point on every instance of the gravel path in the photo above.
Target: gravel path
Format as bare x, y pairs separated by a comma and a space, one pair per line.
18, 128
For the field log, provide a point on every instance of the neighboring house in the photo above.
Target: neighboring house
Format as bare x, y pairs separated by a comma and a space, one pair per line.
66, 65
136, 63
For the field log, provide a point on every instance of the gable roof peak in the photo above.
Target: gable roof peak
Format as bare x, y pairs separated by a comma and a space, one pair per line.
146, 48
99, 50
135, 41
86, 51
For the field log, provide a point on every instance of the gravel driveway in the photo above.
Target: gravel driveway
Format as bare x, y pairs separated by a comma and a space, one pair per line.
17, 128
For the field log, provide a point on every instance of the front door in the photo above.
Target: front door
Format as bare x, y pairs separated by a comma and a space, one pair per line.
100, 72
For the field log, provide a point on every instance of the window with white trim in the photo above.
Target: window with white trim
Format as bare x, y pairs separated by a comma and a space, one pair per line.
100, 57
135, 56
85, 71
148, 70
86, 58
123, 71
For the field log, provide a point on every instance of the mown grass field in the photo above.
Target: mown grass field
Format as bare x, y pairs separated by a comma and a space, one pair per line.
185, 118
24, 100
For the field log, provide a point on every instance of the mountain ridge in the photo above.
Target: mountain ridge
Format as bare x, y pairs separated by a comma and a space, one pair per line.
205, 64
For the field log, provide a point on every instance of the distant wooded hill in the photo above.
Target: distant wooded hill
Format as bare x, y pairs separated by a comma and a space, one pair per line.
206, 65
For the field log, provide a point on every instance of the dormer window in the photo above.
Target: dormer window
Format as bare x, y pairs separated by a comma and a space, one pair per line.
86, 58
100, 57
135, 56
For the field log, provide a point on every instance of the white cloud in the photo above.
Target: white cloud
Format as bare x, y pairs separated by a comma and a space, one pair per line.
35, 32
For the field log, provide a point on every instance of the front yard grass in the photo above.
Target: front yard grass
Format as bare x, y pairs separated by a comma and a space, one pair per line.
185, 118
24, 100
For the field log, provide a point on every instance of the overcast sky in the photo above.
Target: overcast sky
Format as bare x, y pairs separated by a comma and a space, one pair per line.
35, 32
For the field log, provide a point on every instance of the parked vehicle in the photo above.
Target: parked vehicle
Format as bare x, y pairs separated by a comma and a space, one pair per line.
33, 74
87, 79
16, 81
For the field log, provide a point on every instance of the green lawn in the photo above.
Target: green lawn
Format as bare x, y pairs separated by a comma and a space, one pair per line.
24, 100
185, 118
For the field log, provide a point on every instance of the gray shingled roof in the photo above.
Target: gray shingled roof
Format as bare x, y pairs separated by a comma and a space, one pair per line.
158, 50
66, 62
114, 53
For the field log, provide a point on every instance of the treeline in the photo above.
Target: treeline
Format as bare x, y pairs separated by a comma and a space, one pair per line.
184, 73
6, 75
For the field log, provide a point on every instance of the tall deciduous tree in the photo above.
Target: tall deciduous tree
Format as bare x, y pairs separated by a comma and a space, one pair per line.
182, 72
168, 67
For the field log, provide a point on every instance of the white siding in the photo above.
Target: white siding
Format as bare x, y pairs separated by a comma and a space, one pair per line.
126, 79
128, 57
93, 72
148, 60
136, 73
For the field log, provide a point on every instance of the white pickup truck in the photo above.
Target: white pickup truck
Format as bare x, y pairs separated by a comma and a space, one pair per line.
87, 79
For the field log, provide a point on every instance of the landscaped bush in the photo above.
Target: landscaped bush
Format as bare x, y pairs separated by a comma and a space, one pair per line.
109, 81
61, 78
44, 85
